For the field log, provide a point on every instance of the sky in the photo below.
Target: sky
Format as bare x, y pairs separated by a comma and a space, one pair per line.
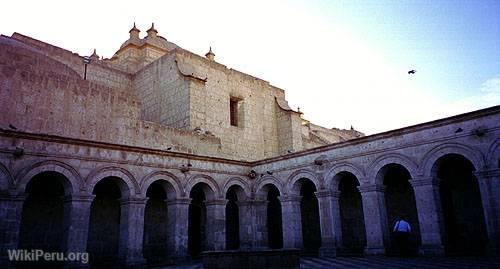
344, 63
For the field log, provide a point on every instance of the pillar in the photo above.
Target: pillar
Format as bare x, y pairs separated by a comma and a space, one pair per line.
331, 229
291, 221
178, 218
76, 225
489, 186
132, 232
430, 216
216, 224
248, 223
375, 218
11, 207
259, 220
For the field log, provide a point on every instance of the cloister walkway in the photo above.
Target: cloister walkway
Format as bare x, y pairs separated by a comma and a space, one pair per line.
382, 262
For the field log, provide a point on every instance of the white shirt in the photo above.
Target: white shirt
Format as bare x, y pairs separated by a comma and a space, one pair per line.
402, 226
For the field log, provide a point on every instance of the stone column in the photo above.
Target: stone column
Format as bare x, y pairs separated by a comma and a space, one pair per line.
375, 218
216, 224
11, 207
177, 219
132, 232
430, 216
329, 215
259, 220
247, 223
76, 225
292, 225
489, 186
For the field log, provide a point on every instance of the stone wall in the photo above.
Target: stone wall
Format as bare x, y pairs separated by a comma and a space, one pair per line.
41, 95
98, 71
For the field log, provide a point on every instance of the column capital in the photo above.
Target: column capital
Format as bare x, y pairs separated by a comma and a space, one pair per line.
133, 200
179, 201
252, 202
487, 174
290, 198
327, 193
371, 188
79, 198
424, 181
216, 202
13, 197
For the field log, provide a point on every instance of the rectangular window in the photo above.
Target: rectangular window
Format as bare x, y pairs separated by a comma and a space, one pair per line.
233, 110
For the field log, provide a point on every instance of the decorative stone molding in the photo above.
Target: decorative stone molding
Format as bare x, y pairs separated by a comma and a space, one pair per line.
215, 202
424, 182
327, 193
371, 188
133, 200
487, 173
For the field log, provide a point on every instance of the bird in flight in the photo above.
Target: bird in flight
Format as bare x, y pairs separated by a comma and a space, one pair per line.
411, 72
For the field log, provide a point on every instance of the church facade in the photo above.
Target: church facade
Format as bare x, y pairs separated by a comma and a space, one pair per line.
157, 154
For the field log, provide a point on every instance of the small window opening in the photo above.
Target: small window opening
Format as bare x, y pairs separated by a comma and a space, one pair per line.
233, 110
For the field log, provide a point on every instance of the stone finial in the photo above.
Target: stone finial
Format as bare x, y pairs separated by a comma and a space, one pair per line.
210, 55
94, 57
134, 32
152, 31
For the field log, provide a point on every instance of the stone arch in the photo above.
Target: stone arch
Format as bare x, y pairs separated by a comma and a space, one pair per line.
236, 181
209, 181
332, 182
112, 171
299, 174
375, 167
74, 180
430, 158
6, 180
163, 176
271, 180
493, 155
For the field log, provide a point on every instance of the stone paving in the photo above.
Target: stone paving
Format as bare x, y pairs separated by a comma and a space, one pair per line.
381, 262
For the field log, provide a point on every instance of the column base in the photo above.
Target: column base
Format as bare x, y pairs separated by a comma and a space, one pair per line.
328, 252
431, 250
372, 251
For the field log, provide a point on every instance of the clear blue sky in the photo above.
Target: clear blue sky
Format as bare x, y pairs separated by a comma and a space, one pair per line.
455, 45
343, 62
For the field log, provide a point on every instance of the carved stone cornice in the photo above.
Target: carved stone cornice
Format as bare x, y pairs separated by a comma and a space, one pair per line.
290, 198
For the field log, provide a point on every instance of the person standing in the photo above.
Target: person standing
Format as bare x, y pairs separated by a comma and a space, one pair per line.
402, 231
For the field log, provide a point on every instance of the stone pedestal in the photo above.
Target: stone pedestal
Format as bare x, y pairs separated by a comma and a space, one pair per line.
178, 221
216, 224
375, 218
11, 207
131, 233
76, 218
430, 217
331, 229
292, 226
489, 186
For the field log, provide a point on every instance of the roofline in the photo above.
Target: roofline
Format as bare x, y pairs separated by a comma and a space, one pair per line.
400, 131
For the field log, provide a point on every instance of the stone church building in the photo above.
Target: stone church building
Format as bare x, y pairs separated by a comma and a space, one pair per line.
158, 154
